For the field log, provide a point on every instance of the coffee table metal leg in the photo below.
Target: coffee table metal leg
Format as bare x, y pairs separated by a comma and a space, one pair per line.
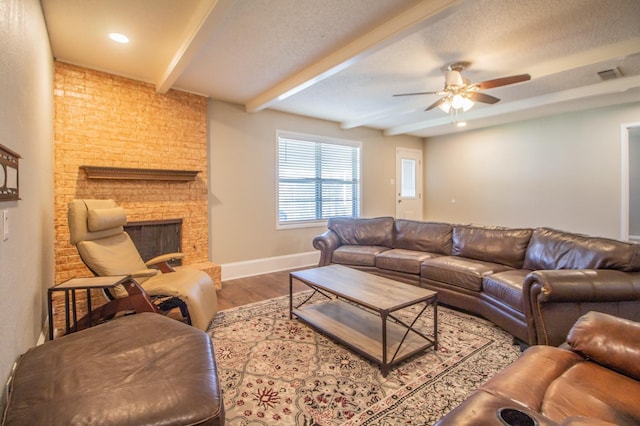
385, 365
290, 296
435, 325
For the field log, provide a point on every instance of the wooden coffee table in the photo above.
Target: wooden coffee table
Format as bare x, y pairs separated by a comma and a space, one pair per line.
359, 313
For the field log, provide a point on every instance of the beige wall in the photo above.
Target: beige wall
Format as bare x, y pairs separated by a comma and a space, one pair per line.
561, 171
243, 182
26, 117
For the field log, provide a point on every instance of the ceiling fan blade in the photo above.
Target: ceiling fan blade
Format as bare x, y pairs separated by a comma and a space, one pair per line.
482, 97
436, 104
489, 84
417, 93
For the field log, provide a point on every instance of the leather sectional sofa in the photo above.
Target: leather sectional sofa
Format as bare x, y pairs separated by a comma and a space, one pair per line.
534, 283
592, 380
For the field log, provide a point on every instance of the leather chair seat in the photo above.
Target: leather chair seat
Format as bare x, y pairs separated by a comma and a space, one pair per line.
357, 255
459, 271
402, 260
193, 287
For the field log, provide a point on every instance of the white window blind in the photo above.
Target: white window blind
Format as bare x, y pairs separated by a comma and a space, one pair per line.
318, 178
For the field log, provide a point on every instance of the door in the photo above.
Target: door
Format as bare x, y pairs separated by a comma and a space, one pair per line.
630, 220
408, 184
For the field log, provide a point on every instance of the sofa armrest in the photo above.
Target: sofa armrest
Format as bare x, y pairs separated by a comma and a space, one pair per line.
326, 242
608, 340
555, 299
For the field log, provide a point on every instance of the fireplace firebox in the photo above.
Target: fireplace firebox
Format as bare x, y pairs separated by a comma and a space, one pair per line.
155, 237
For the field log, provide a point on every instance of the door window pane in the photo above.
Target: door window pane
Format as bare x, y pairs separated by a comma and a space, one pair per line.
408, 184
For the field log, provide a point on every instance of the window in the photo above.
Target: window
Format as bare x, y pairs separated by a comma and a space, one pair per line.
318, 178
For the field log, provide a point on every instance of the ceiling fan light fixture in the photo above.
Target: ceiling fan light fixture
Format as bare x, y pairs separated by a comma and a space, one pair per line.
445, 106
454, 78
467, 104
460, 95
457, 101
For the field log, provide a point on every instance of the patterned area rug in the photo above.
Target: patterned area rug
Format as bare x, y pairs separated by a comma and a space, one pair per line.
278, 371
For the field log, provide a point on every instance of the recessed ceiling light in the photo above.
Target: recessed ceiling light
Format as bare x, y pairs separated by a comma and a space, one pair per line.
461, 123
119, 38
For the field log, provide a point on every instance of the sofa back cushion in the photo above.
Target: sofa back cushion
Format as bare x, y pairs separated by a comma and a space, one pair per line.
552, 249
432, 237
491, 244
359, 231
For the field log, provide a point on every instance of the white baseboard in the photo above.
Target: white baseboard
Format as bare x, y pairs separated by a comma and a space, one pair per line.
249, 268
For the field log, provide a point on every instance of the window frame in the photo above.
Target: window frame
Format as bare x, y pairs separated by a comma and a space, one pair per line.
316, 139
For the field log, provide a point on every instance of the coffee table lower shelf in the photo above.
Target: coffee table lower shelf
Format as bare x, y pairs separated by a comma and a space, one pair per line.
362, 331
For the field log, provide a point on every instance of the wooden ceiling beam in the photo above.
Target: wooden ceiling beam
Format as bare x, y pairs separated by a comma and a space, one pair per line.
395, 28
207, 18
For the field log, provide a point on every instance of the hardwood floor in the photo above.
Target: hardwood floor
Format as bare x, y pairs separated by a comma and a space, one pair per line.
242, 291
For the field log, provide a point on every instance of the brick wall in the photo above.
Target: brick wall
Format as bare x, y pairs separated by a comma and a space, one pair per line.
105, 120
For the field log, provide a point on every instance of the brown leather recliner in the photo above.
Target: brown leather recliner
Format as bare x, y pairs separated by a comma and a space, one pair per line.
594, 379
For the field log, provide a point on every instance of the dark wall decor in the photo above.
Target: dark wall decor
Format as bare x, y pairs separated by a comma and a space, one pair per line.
8, 174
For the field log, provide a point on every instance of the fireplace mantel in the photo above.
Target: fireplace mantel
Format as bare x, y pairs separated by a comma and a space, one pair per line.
127, 173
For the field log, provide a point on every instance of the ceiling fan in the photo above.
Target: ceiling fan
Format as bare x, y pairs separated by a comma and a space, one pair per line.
459, 93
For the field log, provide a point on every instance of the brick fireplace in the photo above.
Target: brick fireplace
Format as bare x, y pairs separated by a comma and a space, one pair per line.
105, 120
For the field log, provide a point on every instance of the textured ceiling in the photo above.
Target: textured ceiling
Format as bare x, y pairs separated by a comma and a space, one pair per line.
341, 60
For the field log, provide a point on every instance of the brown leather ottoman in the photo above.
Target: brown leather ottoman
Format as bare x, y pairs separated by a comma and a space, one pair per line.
138, 370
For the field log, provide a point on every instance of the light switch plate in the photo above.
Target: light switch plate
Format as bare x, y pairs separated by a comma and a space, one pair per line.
5, 225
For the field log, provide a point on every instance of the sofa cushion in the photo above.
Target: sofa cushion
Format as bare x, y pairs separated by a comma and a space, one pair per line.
432, 237
480, 409
527, 379
357, 255
551, 249
507, 287
368, 232
459, 271
401, 260
491, 244
591, 390
605, 339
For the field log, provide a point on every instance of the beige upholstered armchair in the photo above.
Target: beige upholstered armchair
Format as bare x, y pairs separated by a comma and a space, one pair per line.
97, 230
